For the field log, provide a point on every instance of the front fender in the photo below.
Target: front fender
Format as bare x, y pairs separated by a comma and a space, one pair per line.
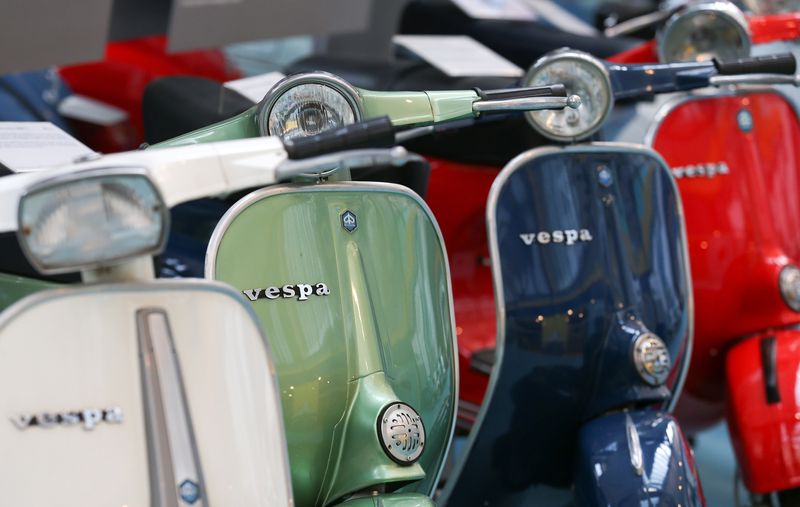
763, 408
635, 458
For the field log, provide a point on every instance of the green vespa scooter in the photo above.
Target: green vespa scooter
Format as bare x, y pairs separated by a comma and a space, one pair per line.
350, 279
310, 103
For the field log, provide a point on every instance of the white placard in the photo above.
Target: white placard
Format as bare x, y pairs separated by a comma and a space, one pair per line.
518, 10
34, 145
87, 109
561, 18
458, 55
255, 87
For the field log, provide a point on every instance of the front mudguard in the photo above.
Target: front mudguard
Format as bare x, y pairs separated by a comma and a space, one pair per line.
391, 500
763, 409
635, 458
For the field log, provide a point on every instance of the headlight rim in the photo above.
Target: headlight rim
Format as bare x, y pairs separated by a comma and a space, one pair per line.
82, 176
348, 91
725, 9
563, 54
782, 286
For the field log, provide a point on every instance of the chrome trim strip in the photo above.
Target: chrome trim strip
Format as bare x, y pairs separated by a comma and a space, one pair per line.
172, 449
257, 195
634, 446
347, 90
710, 93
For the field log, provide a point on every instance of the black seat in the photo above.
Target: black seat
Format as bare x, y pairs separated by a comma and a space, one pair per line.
14, 262
175, 105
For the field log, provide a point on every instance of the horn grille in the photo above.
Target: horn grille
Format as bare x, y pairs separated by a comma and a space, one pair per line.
402, 433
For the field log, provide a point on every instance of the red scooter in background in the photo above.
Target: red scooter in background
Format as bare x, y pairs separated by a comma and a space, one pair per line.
120, 80
736, 157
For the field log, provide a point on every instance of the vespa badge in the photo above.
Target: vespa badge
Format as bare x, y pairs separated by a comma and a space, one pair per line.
88, 418
745, 120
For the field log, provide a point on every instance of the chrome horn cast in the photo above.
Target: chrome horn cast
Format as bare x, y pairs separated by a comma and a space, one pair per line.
652, 360
402, 433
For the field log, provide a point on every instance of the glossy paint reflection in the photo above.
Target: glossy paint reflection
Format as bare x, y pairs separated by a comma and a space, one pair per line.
589, 255
608, 472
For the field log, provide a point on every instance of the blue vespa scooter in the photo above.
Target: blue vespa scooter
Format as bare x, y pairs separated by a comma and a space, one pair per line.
593, 295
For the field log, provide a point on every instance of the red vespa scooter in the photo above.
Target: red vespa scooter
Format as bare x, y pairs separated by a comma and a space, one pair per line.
739, 183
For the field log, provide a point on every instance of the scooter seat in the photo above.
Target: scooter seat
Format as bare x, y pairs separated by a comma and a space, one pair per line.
175, 105
522, 42
399, 74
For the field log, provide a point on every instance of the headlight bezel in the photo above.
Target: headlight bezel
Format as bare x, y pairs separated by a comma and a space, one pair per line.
584, 58
65, 180
722, 9
348, 91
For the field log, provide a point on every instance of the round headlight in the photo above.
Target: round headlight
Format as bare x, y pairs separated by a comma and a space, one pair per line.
789, 284
772, 6
705, 31
582, 75
308, 104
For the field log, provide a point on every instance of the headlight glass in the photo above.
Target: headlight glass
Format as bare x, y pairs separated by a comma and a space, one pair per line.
308, 104
789, 284
705, 31
95, 220
772, 6
582, 75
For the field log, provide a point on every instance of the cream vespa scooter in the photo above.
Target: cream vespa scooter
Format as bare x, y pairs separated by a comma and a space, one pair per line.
127, 390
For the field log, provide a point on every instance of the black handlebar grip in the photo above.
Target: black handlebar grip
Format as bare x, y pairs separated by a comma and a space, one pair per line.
556, 90
783, 63
377, 133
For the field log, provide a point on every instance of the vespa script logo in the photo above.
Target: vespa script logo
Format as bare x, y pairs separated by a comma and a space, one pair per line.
569, 237
89, 418
301, 291
700, 170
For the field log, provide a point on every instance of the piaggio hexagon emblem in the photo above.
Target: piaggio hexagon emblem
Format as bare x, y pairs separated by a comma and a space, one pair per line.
349, 221
189, 491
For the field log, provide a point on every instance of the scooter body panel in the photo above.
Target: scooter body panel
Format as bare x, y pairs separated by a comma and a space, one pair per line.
463, 227
583, 264
739, 185
94, 437
13, 288
644, 448
763, 409
376, 328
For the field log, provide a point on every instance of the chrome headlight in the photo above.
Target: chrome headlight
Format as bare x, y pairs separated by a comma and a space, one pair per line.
789, 284
772, 6
91, 219
582, 75
704, 31
308, 104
